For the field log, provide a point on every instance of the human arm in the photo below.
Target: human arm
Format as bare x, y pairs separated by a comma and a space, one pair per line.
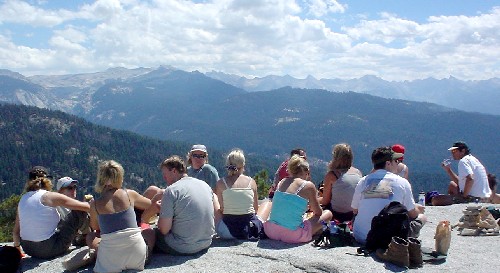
164, 225
309, 192
154, 207
140, 201
453, 176
328, 181
54, 199
93, 223
255, 196
16, 232
219, 188
469, 181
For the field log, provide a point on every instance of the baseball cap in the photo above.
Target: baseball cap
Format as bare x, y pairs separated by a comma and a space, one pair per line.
199, 147
64, 182
458, 145
38, 171
398, 148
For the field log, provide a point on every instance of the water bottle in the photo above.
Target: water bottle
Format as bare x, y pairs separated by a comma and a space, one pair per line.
334, 229
446, 161
421, 198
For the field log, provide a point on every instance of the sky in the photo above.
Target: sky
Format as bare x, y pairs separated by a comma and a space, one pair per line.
395, 40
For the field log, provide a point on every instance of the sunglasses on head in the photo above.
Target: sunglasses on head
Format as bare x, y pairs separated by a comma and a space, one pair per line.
198, 156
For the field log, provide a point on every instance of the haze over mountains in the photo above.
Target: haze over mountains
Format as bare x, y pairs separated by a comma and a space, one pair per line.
171, 104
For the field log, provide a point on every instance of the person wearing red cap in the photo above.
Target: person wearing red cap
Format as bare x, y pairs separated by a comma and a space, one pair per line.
402, 169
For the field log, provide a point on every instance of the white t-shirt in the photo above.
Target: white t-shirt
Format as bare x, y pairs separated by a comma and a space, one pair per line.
373, 193
470, 165
37, 221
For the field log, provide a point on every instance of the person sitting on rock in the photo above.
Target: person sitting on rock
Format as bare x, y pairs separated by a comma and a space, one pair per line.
291, 199
186, 208
199, 168
380, 188
238, 198
38, 227
471, 183
340, 182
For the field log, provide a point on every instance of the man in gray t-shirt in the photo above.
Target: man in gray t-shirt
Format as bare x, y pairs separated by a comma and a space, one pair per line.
186, 223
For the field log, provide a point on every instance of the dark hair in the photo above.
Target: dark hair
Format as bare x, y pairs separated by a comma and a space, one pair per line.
38, 183
297, 151
462, 146
380, 156
492, 180
174, 162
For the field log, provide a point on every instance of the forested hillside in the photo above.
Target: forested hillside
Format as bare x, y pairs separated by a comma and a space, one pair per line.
69, 146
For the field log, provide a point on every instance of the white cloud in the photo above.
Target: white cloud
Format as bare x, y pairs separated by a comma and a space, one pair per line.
250, 38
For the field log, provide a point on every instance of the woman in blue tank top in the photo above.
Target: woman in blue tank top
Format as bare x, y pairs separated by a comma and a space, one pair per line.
290, 202
122, 244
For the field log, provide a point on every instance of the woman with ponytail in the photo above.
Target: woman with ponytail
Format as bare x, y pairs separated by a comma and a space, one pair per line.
39, 228
238, 199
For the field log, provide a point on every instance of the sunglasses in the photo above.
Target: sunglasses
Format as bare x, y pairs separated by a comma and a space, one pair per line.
74, 187
198, 156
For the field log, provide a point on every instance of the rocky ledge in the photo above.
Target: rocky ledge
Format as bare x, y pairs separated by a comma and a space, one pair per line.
466, 254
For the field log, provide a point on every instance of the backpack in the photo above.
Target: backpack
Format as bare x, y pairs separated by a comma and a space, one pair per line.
392, 221
335, 234
10, 259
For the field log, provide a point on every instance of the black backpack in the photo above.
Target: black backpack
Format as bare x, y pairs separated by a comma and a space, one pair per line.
391, 221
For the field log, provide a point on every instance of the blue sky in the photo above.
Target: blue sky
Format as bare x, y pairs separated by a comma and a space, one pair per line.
394, 40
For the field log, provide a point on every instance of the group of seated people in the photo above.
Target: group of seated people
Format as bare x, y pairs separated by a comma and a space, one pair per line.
197, 204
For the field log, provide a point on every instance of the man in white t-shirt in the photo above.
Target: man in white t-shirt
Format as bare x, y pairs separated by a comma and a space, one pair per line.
378, 189
472, 180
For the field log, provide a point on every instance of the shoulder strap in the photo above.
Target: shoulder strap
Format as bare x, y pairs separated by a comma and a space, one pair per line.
335, 174
249, 182
224, 180
130, 203
301, 187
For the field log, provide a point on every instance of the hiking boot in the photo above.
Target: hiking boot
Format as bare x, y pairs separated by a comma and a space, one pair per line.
397, 253
415, 252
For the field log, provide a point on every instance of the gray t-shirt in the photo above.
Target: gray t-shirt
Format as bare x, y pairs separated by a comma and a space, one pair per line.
189, 202
206, 173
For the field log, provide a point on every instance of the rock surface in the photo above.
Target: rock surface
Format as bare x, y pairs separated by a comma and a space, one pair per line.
466, 254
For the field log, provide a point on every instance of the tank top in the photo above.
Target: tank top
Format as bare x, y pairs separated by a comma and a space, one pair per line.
37, 221
238, 201
113, 222
343, 191
288, 208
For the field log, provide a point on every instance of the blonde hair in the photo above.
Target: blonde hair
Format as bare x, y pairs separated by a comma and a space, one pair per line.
341, 157
109, 173
235, 161
38, 183
297, 164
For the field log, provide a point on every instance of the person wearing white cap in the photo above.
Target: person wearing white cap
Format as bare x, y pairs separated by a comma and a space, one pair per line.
471, 183
68, 186
198, 166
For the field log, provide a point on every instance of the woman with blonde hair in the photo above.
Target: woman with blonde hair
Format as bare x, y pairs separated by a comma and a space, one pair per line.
121, 245
340, 182
291, 199
238, 199
38, 227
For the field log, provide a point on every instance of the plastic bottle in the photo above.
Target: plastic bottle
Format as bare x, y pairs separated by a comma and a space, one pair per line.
421, 198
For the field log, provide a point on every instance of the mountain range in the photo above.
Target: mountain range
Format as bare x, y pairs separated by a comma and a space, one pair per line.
175, 105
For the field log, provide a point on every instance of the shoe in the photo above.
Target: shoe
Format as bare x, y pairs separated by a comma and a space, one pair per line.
397, 253
415, 252
82, 257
